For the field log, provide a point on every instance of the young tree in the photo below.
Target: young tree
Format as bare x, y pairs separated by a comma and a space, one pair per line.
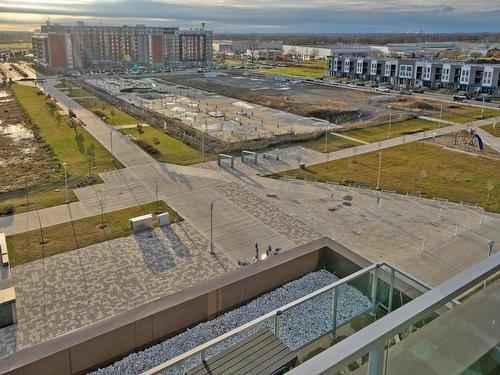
490, 185
91, 157
253, 46
423, 175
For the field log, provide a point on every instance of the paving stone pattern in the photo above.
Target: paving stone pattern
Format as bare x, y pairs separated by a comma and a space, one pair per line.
282, 222
67, 291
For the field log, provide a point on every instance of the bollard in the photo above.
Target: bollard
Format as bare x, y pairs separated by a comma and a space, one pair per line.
456, 230
423, 245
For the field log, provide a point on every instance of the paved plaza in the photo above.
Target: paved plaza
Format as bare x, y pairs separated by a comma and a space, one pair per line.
431, 239
70, 290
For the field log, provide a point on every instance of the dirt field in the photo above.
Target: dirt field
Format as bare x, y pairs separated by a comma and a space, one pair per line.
24, 156
333, 104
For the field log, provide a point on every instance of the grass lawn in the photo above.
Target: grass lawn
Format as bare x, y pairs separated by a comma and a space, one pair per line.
26, 247
16, 45
113, 115
302, 71
372, 134
69, 147
448, 174
171, 150
492, 130
466, 114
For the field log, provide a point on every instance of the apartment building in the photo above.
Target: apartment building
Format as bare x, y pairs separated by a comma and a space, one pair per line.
81, 47
413, 72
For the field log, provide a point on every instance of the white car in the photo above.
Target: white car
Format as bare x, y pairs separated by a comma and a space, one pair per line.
352, 85
382, 89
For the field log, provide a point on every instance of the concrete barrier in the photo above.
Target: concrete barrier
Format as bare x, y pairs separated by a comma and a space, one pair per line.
140, 223
105, 341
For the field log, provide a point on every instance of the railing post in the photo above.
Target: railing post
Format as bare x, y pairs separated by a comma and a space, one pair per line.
202, 354
376, 360
391, 289
277, 323
334, 312
374, 290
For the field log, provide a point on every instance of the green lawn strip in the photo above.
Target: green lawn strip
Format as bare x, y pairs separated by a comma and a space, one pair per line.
170, 149
26, 247
16, 45
381, 132
495, 131
38, 198
449, 174
371, 134
296, 71
463, 115
112, 115
70, 146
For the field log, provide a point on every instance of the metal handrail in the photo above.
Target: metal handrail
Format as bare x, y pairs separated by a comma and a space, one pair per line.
201, 349
373, 337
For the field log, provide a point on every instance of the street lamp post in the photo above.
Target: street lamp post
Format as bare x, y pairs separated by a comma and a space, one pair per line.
379, 169
211, 204
66, 181
111, 140
482, 109
390, 123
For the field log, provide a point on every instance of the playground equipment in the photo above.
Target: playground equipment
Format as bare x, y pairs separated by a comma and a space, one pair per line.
470, 138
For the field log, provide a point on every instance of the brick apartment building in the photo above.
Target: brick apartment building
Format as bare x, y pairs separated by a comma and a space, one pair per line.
80, 47
413, 72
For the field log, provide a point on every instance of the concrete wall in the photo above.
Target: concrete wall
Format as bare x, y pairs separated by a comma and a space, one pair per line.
109, 339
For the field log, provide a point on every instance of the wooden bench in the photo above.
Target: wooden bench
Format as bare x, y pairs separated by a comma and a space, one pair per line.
262, 353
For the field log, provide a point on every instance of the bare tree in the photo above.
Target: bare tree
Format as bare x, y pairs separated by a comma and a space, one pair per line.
490, 185
313, 55
140, 130
423, 175
253, 46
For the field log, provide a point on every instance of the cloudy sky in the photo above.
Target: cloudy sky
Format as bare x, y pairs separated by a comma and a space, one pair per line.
324, 16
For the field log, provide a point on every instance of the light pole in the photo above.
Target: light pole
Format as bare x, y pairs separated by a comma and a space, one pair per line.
441, 116
482, 109
379, 169
211, 204
66, 181
203, 142
111, 140
390, 123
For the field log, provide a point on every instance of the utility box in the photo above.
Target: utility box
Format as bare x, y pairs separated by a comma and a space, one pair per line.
302, 165
140, 223
164, 219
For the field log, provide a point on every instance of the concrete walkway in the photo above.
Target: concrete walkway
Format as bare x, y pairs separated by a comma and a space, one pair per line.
349, 138
489, 139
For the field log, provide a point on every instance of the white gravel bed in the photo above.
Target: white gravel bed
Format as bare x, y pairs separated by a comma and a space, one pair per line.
297, 326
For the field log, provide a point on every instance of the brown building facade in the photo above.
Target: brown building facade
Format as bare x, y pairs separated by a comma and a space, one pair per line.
83, 47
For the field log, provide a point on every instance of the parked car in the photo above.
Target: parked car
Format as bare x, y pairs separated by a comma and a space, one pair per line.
459, 98
352, 85
463, 93
382, 89
417, 90
483, 98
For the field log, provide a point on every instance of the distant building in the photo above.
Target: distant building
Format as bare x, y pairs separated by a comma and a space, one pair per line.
242, 46
223, 46
81, 47
414, 72
322, 52
421, 49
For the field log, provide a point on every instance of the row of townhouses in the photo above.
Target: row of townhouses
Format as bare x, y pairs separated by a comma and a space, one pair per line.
411, 72
82, 47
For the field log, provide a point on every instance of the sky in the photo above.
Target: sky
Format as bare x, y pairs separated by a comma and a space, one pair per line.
264, 16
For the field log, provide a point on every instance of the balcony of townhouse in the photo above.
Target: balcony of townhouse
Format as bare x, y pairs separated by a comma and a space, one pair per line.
478, 77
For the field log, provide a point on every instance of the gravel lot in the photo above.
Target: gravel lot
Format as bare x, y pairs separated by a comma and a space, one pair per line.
297, 326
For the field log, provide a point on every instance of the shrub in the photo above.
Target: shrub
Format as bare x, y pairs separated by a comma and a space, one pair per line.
99, 113
147, 147
6, 209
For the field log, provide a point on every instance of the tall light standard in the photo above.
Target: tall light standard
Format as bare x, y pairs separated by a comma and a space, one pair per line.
390, 123
111, 140
379, 168
66, 181
482, 109
211, 204
441, 116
